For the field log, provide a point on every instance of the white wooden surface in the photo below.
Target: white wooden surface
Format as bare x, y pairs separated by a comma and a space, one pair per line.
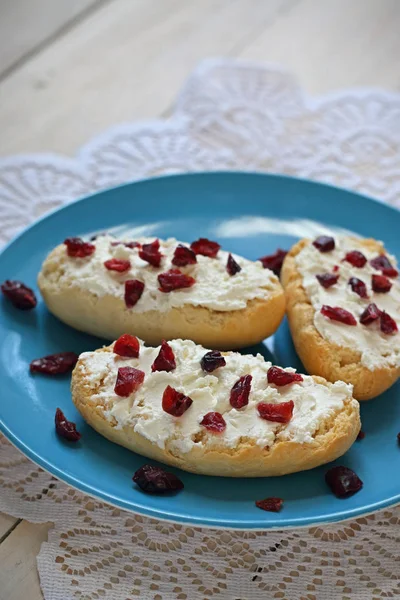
71, 68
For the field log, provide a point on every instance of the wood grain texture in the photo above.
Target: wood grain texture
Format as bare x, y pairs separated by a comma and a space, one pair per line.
6, 524
18, 573
125, 62
25, 25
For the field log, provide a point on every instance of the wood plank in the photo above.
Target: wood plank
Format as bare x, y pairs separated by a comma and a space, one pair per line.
18, 573
127, 61
334, 44
6, 523
25, 24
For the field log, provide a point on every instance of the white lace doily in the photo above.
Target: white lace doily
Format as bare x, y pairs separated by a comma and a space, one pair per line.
230, 115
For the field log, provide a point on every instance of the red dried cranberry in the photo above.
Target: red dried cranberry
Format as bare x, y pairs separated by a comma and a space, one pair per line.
130, 245
274, 261
356, 258
117, 264
213, 421
382, 263
381, 284
240, 392
370, 314
279, 413
280, 377
361, 435
388, 325
154, 480
270, 504
358, 286
77, 248
54, 364
205, 247
175, 403
127, 345
174, 279
336, 269
212, 360
19, 294
327, 279
133, 291
128, 381
343, 481
324, 243
232, 266
165, 360
64, 428
183, 256
151, 253
335, 313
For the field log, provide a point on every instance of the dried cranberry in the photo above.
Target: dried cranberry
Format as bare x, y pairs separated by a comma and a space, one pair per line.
232, 266
388, 325
279, 413
336, 269
270, 504
165, 360
183, 256
358, 286
327, 279
356, 258
77, 248
151, 253
174, 279
274, 261
370, 314
130, 245
361, 435
128, 381
382, 263
343, 481
64, 428
205, 247
127, 345
335, 313
175, 403
212, 360
54, 364
133, 291
240, 392
324, 243
117, 264
154, 480
381, 284
280, 377
19, 294
213, 421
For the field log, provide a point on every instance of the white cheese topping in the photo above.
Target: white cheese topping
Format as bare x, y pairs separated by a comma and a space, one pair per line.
376, 348
210, 392
214, 288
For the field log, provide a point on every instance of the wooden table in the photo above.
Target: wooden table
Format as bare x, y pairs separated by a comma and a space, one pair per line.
71, 68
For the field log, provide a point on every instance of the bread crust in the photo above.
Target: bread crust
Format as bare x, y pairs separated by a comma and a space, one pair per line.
334, 438
108, 317
319, 356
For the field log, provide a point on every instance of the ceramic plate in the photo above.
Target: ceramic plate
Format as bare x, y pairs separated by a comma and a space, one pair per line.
252, 215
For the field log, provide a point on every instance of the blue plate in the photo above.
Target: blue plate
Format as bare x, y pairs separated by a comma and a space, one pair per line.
252, 215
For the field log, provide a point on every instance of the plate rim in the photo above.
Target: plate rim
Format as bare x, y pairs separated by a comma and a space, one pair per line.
171, 516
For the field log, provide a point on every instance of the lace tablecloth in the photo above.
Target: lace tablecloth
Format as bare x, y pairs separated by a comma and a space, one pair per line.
230, 115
